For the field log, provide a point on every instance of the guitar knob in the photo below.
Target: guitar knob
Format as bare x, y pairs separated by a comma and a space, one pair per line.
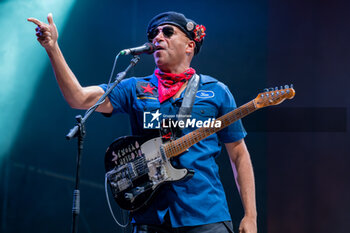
140, 189
128, 196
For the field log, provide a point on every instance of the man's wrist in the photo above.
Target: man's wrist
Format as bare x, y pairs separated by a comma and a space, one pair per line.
52, 49
251, 215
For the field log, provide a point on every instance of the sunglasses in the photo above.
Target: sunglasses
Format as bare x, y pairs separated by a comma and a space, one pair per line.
168, 31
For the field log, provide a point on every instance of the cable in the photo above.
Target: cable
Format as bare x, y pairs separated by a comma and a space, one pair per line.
115, 63
109, 81
110, 208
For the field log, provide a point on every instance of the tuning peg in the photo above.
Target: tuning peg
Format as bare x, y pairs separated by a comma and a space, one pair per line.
286, 86
291, 85
266, 90
271, 89
281, 87
276, 88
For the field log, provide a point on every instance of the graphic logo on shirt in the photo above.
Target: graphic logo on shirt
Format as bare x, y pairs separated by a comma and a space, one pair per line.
148, 88
151, 120
205, 94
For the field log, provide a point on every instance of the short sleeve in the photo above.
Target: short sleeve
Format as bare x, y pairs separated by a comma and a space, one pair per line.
235, 131
121, 96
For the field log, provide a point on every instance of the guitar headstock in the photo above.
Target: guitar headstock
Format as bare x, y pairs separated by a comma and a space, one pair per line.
274, 96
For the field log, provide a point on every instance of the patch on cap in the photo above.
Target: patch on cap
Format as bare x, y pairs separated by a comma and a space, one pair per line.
189, 26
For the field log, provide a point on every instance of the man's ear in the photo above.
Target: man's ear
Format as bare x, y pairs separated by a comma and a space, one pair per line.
190, 46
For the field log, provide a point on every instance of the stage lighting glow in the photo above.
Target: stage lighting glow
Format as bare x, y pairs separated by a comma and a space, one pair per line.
22, 59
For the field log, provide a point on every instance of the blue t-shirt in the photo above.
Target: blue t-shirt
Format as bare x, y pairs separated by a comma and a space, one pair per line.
201, 199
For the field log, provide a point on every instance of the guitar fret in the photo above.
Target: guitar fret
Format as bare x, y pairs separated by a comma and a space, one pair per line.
181, 145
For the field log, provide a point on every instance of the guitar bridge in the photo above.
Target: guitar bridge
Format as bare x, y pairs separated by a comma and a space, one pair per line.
120, 178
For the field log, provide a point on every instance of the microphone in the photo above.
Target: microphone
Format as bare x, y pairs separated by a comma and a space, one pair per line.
148, 48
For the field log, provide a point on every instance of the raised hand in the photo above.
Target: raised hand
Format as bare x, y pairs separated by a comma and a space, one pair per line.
47, 34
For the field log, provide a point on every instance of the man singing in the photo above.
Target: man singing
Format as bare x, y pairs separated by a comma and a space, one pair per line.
198, 204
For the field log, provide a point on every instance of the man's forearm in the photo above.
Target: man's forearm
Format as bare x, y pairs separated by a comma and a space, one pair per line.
245, 180
244, 175
68, 83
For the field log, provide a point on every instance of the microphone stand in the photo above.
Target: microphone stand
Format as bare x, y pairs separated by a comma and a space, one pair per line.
79, 131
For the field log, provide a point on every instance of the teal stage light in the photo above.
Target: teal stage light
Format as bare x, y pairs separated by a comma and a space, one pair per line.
22, 60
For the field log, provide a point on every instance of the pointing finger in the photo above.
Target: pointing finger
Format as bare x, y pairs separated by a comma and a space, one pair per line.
34, 20
50, 18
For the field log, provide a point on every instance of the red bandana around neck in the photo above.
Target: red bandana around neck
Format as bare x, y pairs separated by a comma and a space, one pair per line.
169, 84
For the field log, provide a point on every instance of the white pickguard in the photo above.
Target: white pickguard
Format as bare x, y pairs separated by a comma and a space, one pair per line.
151, 150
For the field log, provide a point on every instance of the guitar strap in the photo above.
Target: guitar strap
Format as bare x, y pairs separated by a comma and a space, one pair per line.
185, 109
189, 97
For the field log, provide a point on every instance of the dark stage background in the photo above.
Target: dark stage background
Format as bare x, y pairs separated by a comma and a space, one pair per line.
300, 157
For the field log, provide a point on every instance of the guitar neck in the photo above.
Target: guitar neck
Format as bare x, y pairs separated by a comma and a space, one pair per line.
180, 145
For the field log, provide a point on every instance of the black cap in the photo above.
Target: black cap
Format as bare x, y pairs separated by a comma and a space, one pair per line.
192, 30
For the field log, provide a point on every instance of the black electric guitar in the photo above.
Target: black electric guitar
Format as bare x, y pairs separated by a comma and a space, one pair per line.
137, 167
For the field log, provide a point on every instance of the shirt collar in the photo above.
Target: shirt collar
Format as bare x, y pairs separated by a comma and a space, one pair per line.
154, 80
207, 79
